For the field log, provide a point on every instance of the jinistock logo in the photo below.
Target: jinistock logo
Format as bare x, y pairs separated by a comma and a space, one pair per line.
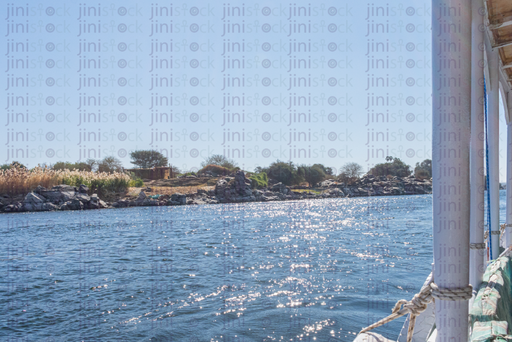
114, 68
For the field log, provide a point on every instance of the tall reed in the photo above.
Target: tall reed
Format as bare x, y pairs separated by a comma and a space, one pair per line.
16, 180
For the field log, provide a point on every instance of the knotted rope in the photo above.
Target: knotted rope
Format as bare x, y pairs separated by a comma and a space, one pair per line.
493, 232
477, 245
464, 293
503, 226
419, 303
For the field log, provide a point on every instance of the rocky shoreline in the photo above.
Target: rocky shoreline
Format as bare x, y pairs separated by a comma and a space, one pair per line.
236, 189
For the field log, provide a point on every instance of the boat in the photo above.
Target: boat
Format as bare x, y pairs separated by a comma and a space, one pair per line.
467, 297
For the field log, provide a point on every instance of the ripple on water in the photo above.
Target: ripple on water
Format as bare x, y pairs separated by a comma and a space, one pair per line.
282, 271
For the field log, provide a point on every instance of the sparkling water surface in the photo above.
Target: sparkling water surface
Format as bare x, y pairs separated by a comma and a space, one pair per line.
313, 270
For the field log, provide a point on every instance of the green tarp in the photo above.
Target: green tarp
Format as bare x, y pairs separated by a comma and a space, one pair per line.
490, 315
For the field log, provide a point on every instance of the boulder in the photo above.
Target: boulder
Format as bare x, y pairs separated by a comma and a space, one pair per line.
202, 200
149, 202
60, 197
141, 198
39, 189
178, 199
281, 188
120, 204
73, 204
335, 192
33, 202
52, 196
234, 189
328, 183
84, 198
64, 187
58, 194
11, 208
49, 207
34, 198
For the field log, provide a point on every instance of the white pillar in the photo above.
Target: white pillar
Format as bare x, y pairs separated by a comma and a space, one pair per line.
477, 179
451, 60
493, 127
508, 230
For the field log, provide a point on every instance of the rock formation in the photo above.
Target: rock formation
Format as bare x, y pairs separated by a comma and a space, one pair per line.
60, 197
233, 189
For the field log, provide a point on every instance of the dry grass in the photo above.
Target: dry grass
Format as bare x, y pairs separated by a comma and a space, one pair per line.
166, 190
316, 192
16, 181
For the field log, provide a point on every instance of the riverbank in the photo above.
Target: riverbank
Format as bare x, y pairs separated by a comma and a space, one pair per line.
236, 189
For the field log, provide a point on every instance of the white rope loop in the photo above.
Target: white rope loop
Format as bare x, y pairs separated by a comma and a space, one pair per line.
477, 245
464, 293
419, 303
494, 232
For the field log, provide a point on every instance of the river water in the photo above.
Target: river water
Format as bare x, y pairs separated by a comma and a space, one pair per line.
313, 270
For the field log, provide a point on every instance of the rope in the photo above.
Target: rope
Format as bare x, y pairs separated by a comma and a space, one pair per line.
494, 232
419, 303
477, 245
503, 227
464, 293
487, 170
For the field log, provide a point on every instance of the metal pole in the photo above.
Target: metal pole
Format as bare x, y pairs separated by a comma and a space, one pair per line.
508, 229
451, 95
476, 222
493, 121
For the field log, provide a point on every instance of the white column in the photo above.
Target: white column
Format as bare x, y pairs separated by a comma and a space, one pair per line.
493, 128
477, 171
508, 230
451, 60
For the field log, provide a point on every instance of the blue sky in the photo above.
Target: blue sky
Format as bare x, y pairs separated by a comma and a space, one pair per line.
329, 82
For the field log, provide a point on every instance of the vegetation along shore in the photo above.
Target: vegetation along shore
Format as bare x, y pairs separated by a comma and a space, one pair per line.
106, 184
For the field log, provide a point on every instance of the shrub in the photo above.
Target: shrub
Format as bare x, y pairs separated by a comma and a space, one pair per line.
137, 183
393, 167
147, 159
72, 166
216, 170
14, 164
350, 172
110, 164
283, 172
220, 160
312, 174
259, 180
423, 170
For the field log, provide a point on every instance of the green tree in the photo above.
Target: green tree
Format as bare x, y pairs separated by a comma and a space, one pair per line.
350, 172
72, 166
259, 180
146, 159
93, 164
220, 160
216, 170
313, 174
283, 172
392, 167
110, 164
424, 169
327, 170
14, 164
